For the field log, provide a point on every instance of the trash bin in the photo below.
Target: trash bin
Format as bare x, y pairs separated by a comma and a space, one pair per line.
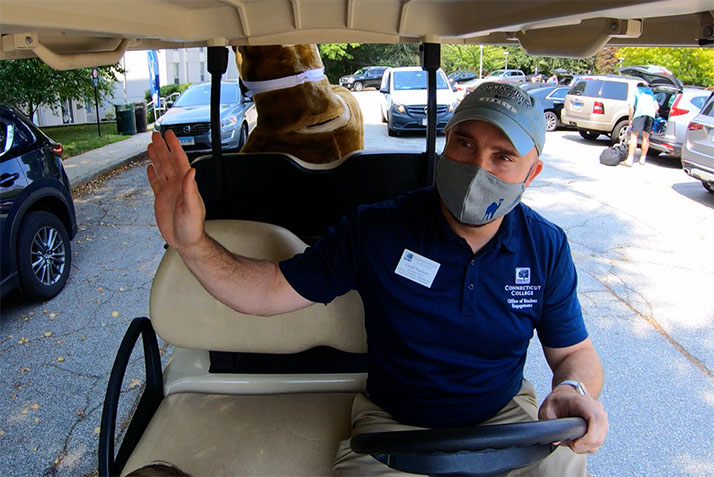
140, 114
126, 120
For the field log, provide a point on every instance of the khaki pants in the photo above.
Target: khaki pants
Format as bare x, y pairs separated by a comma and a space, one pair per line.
368, 417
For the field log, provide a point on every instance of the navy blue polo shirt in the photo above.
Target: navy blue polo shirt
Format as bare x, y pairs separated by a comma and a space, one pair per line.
445, 349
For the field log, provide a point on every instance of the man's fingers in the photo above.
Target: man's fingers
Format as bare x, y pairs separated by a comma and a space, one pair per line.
153, 178
180, 160
192, 197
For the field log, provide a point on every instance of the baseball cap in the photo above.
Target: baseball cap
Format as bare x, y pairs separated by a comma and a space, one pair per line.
515, 112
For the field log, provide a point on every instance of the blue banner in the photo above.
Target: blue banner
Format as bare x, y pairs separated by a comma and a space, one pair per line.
154, 76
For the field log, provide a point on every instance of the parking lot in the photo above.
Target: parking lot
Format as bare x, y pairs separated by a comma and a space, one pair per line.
640, 237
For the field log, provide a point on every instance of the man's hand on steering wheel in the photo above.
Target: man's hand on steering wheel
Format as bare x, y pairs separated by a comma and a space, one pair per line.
566, 401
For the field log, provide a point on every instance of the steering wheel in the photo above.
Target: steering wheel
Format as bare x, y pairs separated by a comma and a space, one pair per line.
474, 451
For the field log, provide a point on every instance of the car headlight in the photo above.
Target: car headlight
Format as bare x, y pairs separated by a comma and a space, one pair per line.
452, 106
229, 121
157, 126
399, 107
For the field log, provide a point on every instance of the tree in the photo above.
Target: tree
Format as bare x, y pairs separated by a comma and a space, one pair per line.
29, 83
345, 58
691, 65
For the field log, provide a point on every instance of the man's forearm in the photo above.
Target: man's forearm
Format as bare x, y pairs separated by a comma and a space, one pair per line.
584, 366
247, 285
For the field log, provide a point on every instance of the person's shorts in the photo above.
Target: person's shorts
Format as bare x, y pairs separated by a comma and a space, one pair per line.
642, 124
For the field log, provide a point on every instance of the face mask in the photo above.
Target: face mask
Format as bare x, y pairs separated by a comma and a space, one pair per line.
472, 195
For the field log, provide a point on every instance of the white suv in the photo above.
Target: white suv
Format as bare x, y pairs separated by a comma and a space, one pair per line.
404, 99
600, 105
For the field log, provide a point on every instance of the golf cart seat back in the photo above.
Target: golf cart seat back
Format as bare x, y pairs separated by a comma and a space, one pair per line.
305, 198
186, 315
247, 424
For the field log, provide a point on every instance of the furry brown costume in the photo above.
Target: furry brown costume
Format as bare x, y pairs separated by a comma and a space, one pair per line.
315, 121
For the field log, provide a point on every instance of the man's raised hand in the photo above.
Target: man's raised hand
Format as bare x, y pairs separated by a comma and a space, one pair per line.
179, 209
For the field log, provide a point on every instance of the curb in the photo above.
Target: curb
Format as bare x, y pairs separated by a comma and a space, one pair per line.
105, 169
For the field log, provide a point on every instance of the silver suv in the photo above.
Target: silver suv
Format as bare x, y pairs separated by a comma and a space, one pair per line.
698, 149
600, 105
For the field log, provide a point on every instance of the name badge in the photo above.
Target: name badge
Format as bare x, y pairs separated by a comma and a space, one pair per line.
417, 268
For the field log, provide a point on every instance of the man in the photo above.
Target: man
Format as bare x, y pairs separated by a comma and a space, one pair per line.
454, 280
642, 114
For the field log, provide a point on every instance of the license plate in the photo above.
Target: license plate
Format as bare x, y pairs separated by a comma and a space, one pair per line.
186, 141
423, 122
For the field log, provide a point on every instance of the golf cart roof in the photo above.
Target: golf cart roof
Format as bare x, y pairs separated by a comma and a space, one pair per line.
76, 33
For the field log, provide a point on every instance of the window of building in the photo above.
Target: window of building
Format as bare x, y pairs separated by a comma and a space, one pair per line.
202, 69
176, 73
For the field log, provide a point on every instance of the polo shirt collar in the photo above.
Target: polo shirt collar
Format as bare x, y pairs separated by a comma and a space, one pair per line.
504, 237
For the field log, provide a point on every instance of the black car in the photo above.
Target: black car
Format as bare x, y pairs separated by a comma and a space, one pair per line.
552, 98
370, 76
461, 76
190, 118
37, 218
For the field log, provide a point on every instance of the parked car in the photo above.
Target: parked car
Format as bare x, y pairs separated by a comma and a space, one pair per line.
507, 76
190, 118
530, 86
552, 98
464, 88
370, 76
404, 99
461, 76
698, 149
676, 112
37, 218
600, 104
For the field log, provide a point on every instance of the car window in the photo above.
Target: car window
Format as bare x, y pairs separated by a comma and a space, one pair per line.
406, 80
698, 101
359, 72
22, 137
558, 93
614, 90
201, 95
589, 88
708, 109
6, 135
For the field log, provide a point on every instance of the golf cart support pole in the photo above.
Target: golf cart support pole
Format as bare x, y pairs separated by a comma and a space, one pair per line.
430, 56
217, 64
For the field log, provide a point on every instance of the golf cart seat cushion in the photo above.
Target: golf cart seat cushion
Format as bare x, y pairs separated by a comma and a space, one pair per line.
186, 315
217, 435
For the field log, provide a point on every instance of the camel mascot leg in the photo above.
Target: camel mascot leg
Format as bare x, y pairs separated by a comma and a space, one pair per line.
299, 112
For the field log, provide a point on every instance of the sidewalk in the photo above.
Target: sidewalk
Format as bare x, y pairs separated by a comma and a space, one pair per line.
92, 164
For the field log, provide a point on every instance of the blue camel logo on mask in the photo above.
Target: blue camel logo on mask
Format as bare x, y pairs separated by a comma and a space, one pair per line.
492, 209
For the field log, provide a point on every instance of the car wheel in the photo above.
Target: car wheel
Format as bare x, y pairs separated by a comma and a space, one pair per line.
589, 135
708, 186
358, 86
243, 136
44, 256
551, 121
619, 133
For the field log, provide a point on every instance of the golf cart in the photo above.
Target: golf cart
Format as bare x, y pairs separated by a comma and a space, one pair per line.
246, 395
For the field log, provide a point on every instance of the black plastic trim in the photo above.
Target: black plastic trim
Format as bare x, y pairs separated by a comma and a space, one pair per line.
148, 404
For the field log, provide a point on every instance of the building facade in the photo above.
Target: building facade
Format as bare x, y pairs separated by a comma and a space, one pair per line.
186, 65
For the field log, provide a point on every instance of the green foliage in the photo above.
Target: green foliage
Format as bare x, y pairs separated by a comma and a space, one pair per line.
79, 138
29, 83
337, 51
167, 90
467, 58
691, 65
346, 58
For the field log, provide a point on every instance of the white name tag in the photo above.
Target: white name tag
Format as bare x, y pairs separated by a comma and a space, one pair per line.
417, 268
